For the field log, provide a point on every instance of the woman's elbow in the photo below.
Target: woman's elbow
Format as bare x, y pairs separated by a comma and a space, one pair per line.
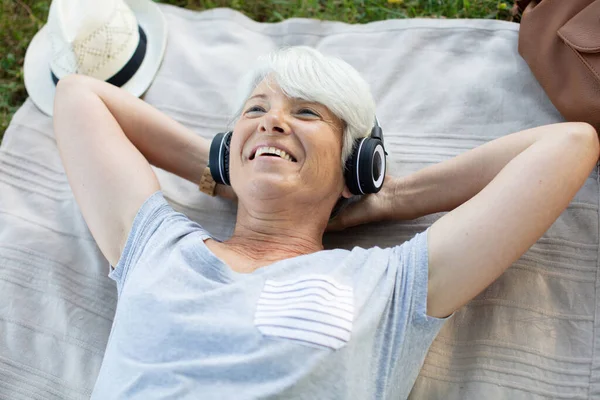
70, 93
70, 86
585, 135
74, 99
582, 137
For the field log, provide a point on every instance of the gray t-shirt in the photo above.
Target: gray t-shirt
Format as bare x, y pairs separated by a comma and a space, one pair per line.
335, 324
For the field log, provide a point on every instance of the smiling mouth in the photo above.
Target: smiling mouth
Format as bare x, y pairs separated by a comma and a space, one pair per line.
272, 152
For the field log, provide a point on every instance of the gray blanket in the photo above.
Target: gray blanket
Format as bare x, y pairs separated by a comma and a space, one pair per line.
441, 86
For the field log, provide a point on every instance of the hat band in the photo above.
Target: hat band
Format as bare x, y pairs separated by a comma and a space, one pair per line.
127, 72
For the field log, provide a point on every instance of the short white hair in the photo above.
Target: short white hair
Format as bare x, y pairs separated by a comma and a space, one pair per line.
304, 72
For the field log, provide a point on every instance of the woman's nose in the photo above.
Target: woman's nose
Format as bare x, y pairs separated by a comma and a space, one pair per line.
274, 121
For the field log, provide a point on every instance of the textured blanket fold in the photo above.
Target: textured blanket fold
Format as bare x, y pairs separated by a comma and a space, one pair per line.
441, 86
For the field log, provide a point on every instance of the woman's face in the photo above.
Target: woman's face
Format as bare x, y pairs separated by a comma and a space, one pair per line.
308, 132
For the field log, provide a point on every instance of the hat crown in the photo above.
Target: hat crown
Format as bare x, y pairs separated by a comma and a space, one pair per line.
80, 18
91, 37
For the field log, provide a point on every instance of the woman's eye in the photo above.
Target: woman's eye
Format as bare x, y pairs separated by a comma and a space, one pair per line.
255, 108
308, 111
301, 111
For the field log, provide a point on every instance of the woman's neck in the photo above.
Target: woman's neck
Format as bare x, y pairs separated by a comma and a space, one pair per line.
267, 243
261, 240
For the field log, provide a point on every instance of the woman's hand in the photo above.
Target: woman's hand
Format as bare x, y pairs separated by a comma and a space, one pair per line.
371, 208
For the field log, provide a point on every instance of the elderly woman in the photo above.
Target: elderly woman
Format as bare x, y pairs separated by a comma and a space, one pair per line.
269, 313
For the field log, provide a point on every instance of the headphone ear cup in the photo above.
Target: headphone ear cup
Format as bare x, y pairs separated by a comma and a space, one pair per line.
366, 167
225, 158
351, 169
218, 158
372, 166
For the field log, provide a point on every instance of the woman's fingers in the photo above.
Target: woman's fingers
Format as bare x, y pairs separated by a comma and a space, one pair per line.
355, 214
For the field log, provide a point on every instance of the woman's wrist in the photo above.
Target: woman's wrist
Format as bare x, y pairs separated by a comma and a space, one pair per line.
400, 206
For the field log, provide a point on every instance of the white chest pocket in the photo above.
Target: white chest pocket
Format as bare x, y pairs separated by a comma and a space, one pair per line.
313, 309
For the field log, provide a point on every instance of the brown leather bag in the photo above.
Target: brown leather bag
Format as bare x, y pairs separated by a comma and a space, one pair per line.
560, 40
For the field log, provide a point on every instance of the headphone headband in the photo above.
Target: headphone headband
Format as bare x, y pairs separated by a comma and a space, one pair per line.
377, 132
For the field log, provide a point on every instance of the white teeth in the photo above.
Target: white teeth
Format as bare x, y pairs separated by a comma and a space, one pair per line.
273, 150
283, 154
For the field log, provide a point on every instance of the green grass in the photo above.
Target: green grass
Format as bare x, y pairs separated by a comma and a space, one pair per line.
21, 19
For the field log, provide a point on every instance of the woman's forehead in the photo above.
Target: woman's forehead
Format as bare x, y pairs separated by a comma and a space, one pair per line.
268, 90
266, 96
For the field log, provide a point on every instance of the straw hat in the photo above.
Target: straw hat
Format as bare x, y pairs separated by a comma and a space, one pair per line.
118, 41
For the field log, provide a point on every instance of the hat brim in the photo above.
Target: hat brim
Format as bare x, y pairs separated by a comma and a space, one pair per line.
38, 81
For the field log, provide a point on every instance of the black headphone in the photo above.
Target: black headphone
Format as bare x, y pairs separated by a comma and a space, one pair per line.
364, 171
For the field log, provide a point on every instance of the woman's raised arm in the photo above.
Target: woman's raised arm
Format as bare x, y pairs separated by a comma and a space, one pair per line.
107, 139
164, 142
508, 192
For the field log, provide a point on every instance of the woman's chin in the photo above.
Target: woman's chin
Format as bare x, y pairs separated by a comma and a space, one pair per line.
268, 187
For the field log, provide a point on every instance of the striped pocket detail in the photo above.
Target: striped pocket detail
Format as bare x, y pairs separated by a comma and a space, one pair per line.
313, 309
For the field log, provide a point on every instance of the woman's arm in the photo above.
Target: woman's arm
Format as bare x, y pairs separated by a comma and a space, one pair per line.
443, 186
164, 142
504, 195
106, 139
447, 185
